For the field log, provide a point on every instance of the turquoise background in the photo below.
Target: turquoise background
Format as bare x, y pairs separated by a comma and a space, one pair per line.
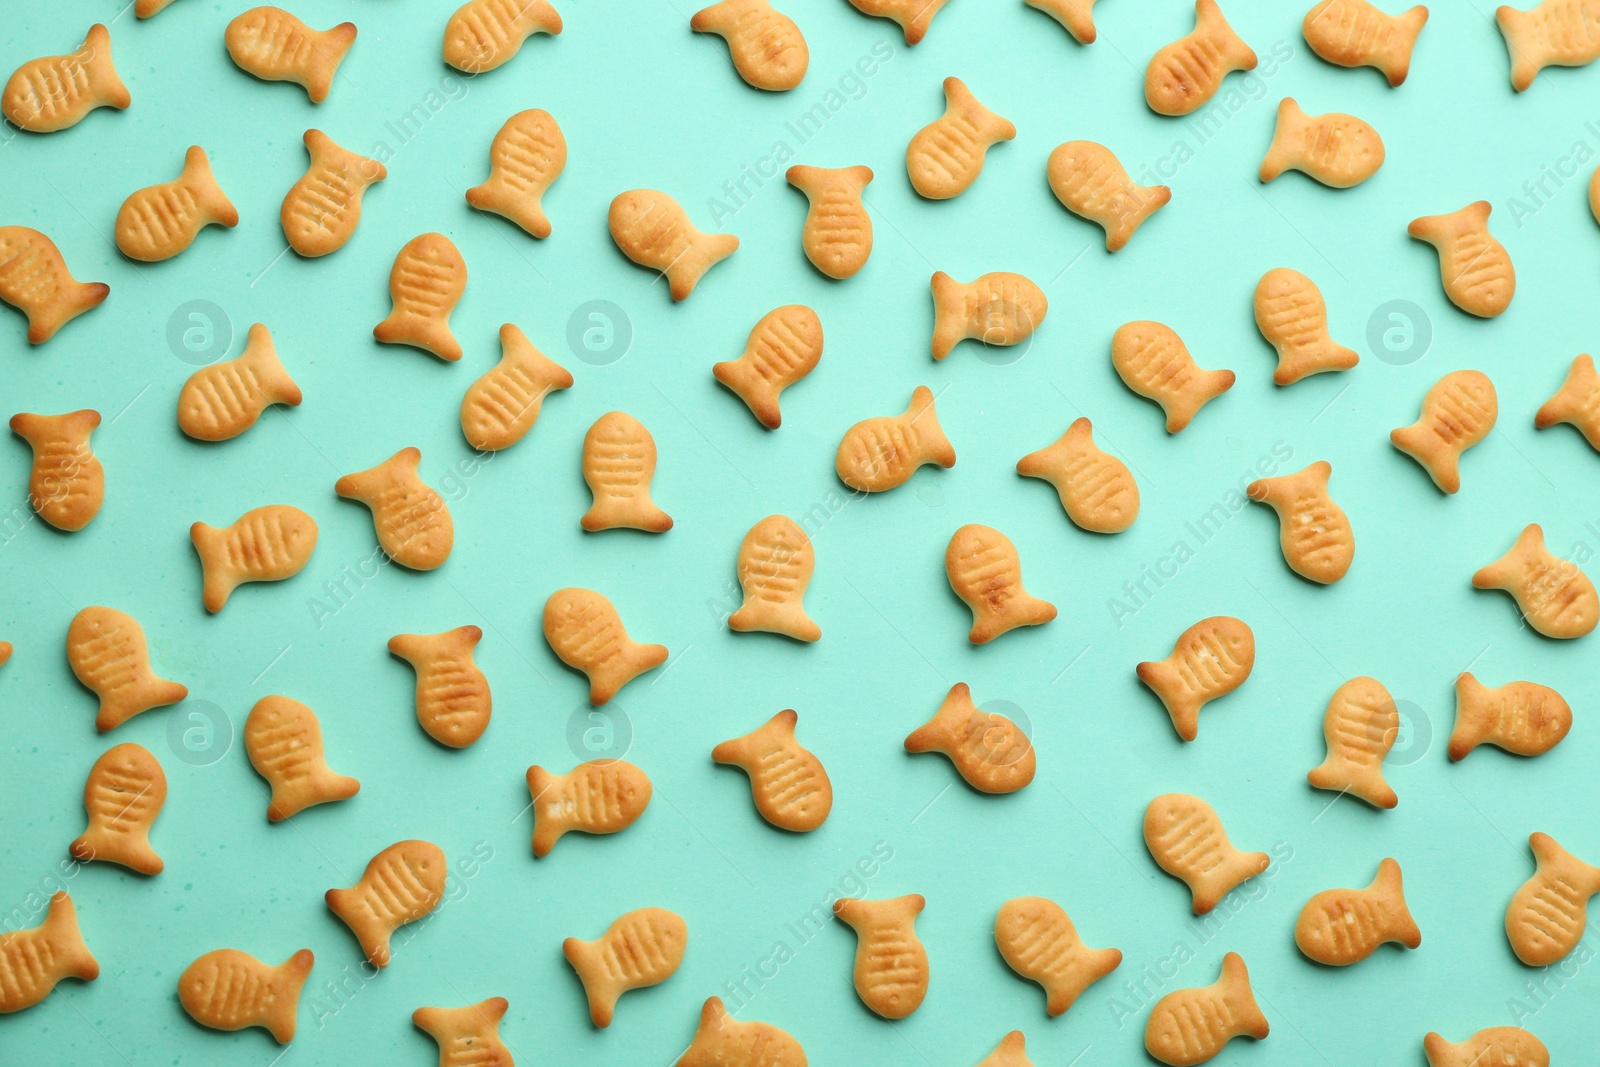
644, 102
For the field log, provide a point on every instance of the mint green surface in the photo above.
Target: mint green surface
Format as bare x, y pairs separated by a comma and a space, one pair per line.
644, 102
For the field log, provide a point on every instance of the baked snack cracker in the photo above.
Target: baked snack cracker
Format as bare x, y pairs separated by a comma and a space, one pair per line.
146, 8
986, 573
108, 653
881, 453
1039, 942
66, 483
483, 34
1360, 727
284, 742
321, 210
265, 544
1185, 837
642, 948
654, 231
1553, 595
425, 284
123, 795
1011, 1052
1353, 33
1191, 1026
401, 884
837, 235
525, 158
501, 407
998, 308
453, 700
1090, 181
723, 1041
1553, 33
784, 346
619, 461
412, 522
1523, 718
1076, 15
467, 1037
54, 92
946, 156
1185, 75
223, 400
230, 990
1547, 916
914, 16
891, 969
35, 959
768, 49
789, 785
1314, 533
159, 221
1293, 317
277, 47
585, 632
34, 279
1458, 411
1576, 402
1338, 927
1510, 1045
1336, 149
1210, 659
601, 796
1152, 360
1096, 489
990, 752
1475, 268
774, 566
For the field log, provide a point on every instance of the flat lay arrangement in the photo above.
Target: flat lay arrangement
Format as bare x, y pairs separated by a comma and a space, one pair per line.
606, 592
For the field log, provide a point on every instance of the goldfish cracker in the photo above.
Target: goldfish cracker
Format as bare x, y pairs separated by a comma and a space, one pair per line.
501, 407
619, 461
1509, 1045
1097, 490
467, 1037
277, 47
266, 544
1336, 149
283, 739
768, 50
1553, 33
1186, 74
602, 796
124, 794
723, 1041
1039, 942
109, 654
1314, 533
412, 522
230, 990
159, 221
837, 236
988, 750
425, 285
1458, 411
525, 158
1191, 1026
1360, 727
34, 960
483, 34
998, 308
66, 482
986, 573
774, 566
1077, 16
891, 969
1152, 360
914, 16
1553, 595
1293, 317
1185, 837
321, 210
642, 948
1475, 268
54, 92
223, 400
453, 700
784, 346
1353, 33
881, 453
946, 156
654, 231
1548, 914
34, 279
789, 785
1576, 402
1523, 718
1211, 659
585, 632
1338, 927
1090, 181
401, 884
